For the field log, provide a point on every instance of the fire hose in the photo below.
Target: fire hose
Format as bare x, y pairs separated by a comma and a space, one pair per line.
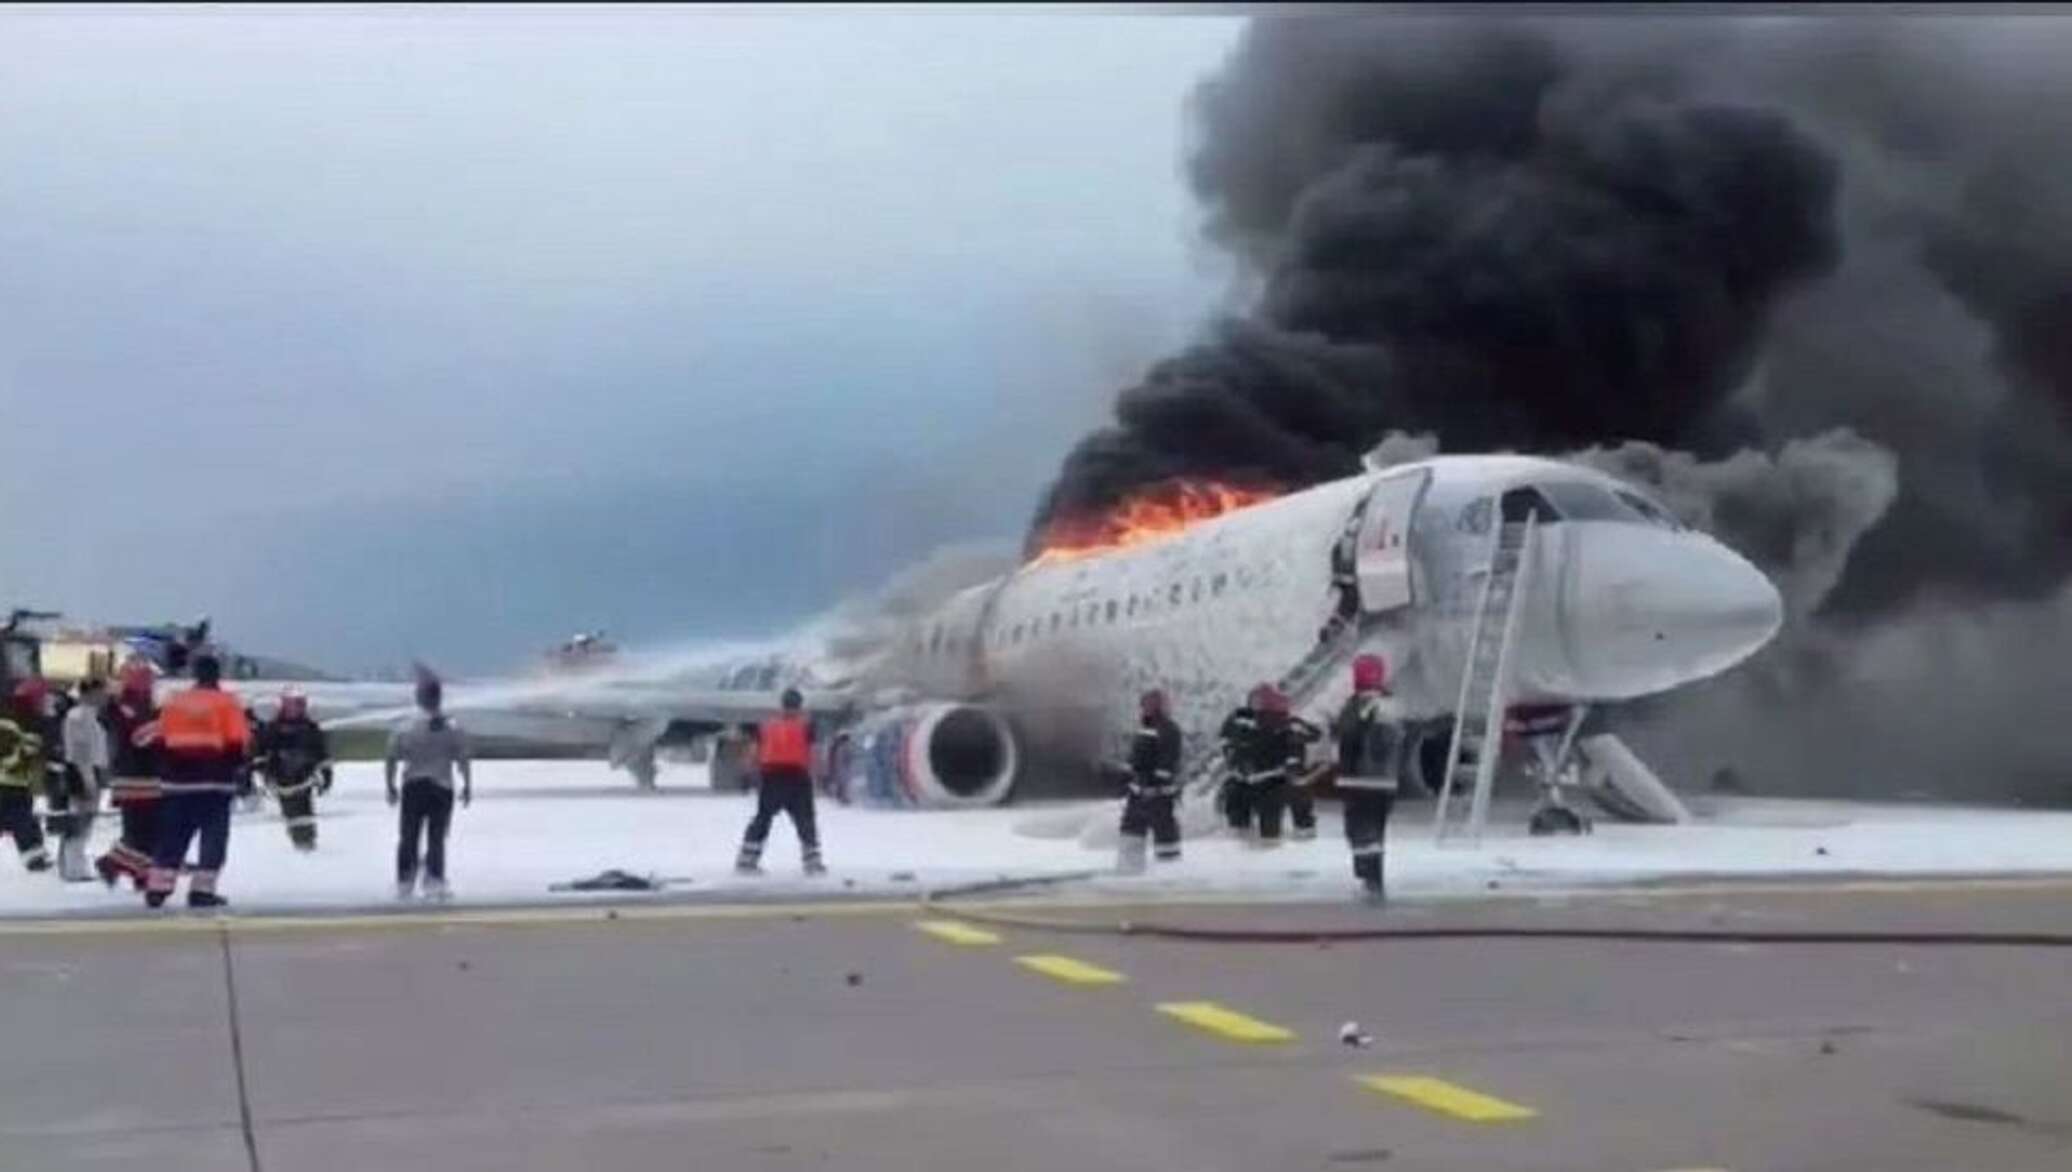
943, 898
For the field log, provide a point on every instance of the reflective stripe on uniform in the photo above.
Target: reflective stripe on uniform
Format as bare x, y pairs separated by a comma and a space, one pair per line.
1367, 852
1388, 784
297, 822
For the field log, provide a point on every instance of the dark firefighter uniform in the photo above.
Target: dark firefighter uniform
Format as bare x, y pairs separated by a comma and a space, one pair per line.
131, 720
1345, 578
1237, 733
1153, 788
204, 739
1274, 759
784, 765
1370, 744
57, 789
295, 757
248, 770
21, 771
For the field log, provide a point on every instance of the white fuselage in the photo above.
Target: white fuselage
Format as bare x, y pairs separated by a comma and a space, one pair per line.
1624, 603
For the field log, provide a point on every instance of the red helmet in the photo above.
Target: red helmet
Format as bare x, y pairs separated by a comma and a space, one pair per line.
1370, 673
294, 705
30, 693
136, 678
1153, 700
1272, 699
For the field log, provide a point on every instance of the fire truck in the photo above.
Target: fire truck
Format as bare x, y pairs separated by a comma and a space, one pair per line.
21, 651
30, 644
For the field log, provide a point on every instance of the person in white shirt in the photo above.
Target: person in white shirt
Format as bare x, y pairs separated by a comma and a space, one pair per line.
86, 770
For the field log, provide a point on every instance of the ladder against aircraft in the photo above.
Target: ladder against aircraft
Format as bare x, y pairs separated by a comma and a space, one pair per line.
1487, 680
1598, 765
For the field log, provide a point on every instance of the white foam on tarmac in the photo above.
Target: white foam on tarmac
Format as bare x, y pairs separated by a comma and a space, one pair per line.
537, 823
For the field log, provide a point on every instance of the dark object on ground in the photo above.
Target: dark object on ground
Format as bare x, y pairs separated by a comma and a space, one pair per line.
1555, 820
611, 880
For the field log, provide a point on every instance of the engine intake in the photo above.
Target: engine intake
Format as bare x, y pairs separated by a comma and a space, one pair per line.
934, 756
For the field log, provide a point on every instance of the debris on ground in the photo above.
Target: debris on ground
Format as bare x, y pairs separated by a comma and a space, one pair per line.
610, 880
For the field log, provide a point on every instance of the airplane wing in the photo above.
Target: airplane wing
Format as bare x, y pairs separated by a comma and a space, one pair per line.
604, 706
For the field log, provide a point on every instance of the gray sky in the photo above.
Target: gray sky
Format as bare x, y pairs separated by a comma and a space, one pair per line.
385, 332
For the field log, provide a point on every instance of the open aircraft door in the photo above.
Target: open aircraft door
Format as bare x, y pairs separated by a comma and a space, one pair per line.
1383, 552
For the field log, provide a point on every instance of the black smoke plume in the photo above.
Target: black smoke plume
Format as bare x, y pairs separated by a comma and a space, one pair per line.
1811, 278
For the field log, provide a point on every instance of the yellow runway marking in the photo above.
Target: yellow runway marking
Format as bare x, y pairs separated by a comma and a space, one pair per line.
1225, 1023
1072, 972
1437, 1094
957, 933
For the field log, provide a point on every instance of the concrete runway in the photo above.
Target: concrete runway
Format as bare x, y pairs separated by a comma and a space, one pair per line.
874, 1038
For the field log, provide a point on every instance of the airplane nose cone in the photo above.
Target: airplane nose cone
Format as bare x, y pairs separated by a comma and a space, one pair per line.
1651, 610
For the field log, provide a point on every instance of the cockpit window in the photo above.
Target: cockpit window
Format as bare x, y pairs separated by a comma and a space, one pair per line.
1580, 501
1654, 513
1519, 504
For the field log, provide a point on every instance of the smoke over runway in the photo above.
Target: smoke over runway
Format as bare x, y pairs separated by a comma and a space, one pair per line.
1808, 278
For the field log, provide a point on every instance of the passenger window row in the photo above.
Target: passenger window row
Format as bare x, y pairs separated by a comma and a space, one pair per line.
941, 641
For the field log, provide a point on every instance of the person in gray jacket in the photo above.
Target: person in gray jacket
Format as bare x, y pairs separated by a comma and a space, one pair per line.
429, 748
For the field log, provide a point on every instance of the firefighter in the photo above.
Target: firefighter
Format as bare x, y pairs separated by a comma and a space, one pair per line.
86, 774
1370, 743
1277, 752
1154, 786
1302, 800
1345, 580
131, 720
784, 757
57, 792
248, 780
21, 769
1239, 731
204, 739
295, 757
429, 748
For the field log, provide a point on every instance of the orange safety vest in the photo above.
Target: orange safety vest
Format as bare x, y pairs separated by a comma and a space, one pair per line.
782, 744
203, 722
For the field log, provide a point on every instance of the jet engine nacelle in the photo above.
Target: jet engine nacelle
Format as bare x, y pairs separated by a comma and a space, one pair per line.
933, 756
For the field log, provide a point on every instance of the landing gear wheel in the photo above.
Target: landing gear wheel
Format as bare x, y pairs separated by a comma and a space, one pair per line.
1556, 820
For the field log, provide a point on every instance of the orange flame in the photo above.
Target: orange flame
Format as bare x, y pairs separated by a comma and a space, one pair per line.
1147, 515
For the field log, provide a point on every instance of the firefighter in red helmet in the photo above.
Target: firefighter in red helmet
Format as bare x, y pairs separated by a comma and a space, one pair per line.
130, 718
1370, 741
1154, 786
295, 757
1280, 754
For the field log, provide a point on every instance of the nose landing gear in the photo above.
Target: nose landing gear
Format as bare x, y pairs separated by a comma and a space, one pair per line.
1555, 768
